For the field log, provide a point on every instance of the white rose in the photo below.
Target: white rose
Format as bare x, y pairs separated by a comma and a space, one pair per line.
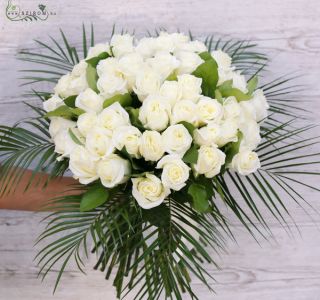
224, 75
165, 42
175, 172
171, 91
210, 160
89, 101
121, 44
52, 103
209, 110
82, 165
130, 65
109, 66
79, 69
239, 81
128, 137
163, 64
245, 162
113, 117
178, 38
228, 132
151, 145
193, 46
147, 82
222, 58
86, 122
189, 61
176, 140
207, 135
146, 47
77, 85
190, 86
111, 85
231, 108
99, 142
149, 191
62, 88
247, 110
184, 110
154, 113
113, 170
98, 49
57, 124
260, 104
251, 134
78, 82
63, 142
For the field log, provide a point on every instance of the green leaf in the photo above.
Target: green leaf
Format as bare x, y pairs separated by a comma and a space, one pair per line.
227, 90
231, 149
95, 60
70, 101
158, 216
190, 127
74, 137
134, 117
92, 77
205, 55
172, 77
191, 155
77, 111
61, 111
135, 163
93, 198
200, 201
252, 85
218, 96
125, 100
208, 71
65, 111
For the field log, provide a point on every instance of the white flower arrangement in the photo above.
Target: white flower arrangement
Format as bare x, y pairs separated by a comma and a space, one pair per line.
181, 112
159, 133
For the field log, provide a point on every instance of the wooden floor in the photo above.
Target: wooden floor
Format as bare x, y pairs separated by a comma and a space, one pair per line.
289, 30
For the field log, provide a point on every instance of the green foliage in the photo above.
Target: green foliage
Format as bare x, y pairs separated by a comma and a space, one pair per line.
226, 90
27, 145
190, 127
154, 252
94, 197
91, 74
92, 78
134, 117
191, 156
252, 84
65, 111
208, 72
231, 149
74, 137
70, 101
199, 196
125, 100
95, 60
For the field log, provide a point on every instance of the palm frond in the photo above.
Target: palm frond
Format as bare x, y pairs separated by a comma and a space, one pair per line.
151, 251
22, 148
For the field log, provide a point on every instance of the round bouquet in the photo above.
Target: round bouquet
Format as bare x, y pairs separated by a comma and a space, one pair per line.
161, 132
155, 117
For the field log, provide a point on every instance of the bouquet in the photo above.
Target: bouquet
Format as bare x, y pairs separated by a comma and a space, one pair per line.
161, 133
